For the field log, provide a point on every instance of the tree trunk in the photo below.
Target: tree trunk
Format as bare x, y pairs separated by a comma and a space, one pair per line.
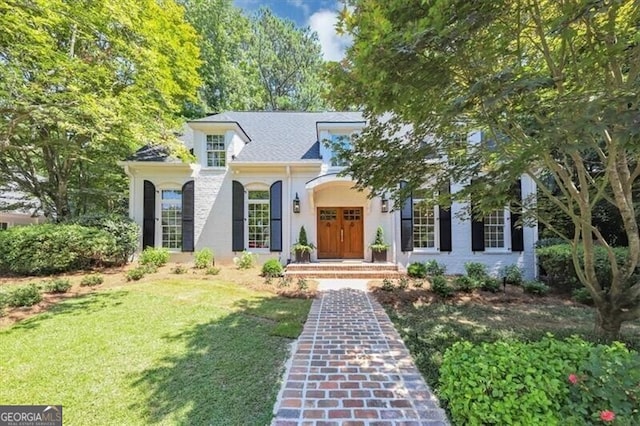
608, 323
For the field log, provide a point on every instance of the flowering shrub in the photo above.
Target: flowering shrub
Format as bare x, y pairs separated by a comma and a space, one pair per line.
605, 388
247, 260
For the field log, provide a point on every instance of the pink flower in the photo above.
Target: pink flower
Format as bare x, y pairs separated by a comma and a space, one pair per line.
607, 416
573, 379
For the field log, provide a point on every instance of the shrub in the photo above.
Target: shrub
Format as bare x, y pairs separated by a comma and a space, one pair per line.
403, 283
302, 284
582, 295
387, 285
491, 284
284, 282
154, 256
546, 242
418, 283
440, 286
136, 273
91, 280
513, 274
179, 269
212, 270
57, 285
203, 259
433, 268
509, 382
379, 245
124, 230
535, 287
149, 268
476, 270
27, 295
607, 380
49, 249
247, 260
417, 270
272, 268
466, 284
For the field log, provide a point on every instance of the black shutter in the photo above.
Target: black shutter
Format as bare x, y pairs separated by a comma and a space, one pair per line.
477, 230
275, 215
187, 216
237, 214
444, 214
517, 233
149, 215
406, 222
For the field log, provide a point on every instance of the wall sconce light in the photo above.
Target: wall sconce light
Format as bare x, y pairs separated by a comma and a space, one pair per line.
384, 205
296, 204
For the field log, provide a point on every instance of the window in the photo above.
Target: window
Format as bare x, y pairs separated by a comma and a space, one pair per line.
171, 214
340, 145
258, 223
3, 226
424, 223
494, 234
216, 152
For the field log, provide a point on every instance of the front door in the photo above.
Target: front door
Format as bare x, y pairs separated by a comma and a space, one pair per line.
340, 233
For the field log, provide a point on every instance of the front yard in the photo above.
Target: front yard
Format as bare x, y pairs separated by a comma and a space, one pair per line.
168, 350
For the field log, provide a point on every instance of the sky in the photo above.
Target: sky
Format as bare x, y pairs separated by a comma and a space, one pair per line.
320, 15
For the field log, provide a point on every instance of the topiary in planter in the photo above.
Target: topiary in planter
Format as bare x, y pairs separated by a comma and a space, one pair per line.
302, 248
379, 247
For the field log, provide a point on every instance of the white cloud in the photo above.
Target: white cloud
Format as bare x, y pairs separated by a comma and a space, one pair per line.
333, 45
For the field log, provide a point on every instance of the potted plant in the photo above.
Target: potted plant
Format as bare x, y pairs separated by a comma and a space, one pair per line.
302, 248
379, 247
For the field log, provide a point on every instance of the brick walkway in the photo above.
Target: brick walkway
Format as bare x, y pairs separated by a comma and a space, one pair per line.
350, 367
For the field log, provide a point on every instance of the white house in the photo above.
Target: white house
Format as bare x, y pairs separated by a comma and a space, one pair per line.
18, 209
252, 168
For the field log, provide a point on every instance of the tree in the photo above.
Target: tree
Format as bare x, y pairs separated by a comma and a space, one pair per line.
82, 84
552, 85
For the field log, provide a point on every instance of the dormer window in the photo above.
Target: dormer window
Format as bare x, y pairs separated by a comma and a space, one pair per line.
216, 151
340, 145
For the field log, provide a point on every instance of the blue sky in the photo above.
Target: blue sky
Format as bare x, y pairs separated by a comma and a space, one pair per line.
319, 15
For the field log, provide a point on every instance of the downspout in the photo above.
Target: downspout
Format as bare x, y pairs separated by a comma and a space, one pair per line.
287, 206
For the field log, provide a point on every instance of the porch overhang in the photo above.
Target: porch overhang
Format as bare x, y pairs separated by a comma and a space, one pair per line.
330, 180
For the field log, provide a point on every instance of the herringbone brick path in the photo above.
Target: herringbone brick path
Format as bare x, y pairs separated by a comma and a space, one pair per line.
350, 367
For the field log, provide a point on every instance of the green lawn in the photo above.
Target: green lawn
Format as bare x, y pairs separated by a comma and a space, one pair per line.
170, 352
428, 330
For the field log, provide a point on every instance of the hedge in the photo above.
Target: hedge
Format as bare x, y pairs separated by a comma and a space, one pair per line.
49, 249
125, 231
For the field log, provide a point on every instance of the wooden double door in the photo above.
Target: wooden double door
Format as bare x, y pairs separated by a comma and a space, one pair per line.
340, 233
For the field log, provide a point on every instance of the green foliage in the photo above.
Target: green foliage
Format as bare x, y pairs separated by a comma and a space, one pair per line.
284, 282
57, 285
302, 284
513, 274
403, 283
417, 270
441, 287
179, 269
48, 249
124, 230
106, 77
509, 382
606, 380
212, 270
203, 258
247, 260
91, 280
387, 285
303, 244
491, 284
379, 244
417, 283
476, 270
433, 268
154, 256
136, 273
272, 268
582, 295
466, 284
535, 287
27, 295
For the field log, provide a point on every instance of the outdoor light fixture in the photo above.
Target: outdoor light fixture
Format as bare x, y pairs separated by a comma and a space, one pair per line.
296, 204
384, 205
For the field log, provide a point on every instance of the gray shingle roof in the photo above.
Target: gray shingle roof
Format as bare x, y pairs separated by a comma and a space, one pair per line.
281, 136
154, 153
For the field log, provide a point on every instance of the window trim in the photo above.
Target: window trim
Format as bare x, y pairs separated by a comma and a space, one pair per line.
436, 228
506, 229
206, 151
159, 241
267, 202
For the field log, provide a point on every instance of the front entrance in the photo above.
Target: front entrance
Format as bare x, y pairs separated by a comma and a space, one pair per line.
340, 233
